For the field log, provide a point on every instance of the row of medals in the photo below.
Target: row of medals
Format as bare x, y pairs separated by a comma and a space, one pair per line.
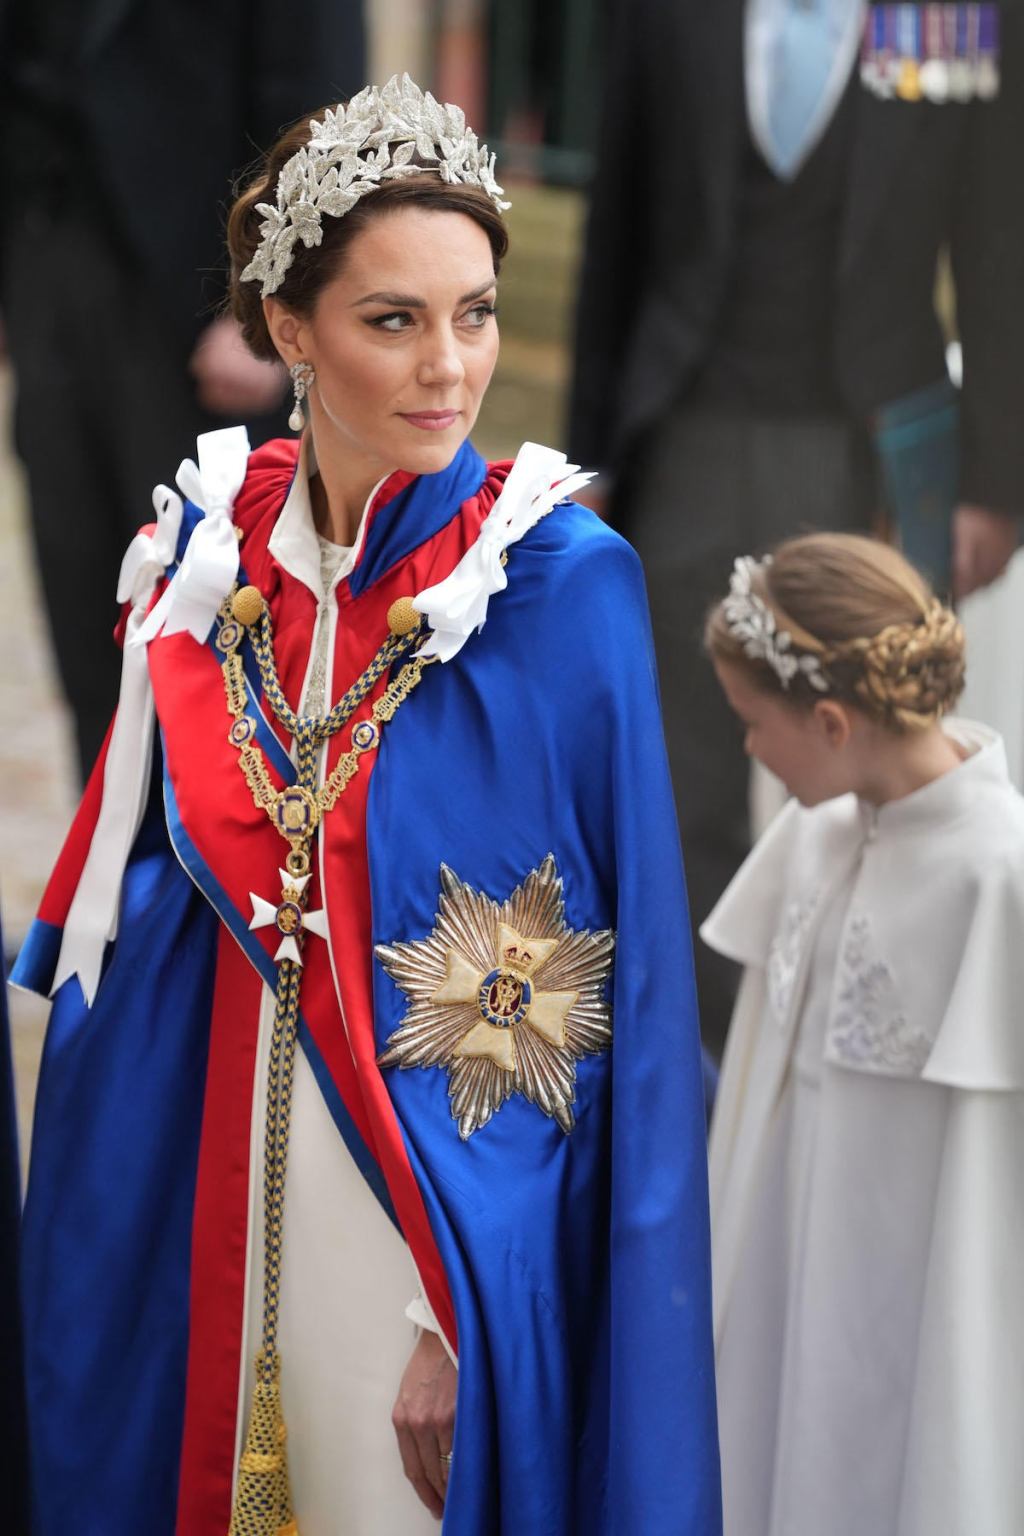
955, 56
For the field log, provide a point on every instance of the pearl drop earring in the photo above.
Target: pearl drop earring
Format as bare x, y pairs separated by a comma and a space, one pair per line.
303, 379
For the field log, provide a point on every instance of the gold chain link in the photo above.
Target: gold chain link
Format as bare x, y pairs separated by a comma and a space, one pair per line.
347, 766
251, 758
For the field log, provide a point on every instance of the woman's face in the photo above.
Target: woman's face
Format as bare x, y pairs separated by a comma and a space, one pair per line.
403, 340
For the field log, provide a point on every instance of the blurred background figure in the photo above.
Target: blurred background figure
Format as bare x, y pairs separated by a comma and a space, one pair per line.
122, 123
760, 347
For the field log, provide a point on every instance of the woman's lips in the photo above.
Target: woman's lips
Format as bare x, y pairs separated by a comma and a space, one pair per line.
429, 421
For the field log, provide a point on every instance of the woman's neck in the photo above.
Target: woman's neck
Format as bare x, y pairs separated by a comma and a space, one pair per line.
896, 766
338, 492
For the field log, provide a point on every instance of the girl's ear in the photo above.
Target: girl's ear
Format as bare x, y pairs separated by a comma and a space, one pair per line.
833, 721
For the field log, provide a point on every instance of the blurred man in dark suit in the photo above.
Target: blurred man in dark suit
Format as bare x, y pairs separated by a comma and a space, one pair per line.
757, 305
122, 123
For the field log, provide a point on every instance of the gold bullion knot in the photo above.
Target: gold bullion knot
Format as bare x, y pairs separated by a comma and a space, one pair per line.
505, 997
247, 606
402, 616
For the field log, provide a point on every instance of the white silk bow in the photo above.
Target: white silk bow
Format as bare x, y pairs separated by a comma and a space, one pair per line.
454, 608
210, 563
193, 596
149, 554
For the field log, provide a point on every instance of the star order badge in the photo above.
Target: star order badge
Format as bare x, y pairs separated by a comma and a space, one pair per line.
505, 997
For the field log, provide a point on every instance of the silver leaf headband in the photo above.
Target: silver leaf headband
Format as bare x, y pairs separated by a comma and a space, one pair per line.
356, 149
753, 623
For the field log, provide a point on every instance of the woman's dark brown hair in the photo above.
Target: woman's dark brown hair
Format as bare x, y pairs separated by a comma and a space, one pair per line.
312, 269
884, 642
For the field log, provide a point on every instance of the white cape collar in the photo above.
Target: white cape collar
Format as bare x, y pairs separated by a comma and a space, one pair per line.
938, 802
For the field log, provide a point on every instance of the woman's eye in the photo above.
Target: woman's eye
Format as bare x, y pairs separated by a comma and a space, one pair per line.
481, 313
398, 321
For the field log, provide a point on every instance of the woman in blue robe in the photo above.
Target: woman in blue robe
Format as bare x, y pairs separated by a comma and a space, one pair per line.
369, 949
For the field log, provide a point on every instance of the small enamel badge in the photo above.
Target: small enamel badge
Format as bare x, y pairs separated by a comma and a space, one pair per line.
288, 916
505, 997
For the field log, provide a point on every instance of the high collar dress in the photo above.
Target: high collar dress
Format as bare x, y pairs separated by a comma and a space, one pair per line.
867, 1215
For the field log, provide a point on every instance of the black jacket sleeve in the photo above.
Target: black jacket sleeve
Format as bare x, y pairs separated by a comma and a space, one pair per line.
613, 263
988, 268
311, 54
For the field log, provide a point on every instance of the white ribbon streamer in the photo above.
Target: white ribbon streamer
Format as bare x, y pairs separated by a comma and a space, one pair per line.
93, 915
210, 563
454, 608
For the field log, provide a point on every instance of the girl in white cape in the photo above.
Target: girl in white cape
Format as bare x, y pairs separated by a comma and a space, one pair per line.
867, 1153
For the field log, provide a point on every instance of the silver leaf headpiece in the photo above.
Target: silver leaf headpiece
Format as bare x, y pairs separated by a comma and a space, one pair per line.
753, 623
357, 148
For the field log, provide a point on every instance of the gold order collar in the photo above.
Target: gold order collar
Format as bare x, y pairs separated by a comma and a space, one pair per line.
263, 1502
297, 810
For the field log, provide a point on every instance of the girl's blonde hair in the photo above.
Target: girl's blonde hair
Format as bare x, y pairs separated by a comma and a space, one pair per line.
883, 641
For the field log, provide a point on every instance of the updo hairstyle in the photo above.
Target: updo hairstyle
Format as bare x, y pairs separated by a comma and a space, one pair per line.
312, 269
884, 642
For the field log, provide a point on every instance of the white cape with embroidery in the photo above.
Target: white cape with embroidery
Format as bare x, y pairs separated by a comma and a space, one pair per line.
866, 1166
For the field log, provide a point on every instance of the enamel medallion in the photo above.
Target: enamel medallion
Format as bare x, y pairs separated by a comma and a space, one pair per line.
505, 997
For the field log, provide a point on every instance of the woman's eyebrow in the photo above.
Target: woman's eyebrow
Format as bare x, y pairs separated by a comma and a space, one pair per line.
410, 301
398, 300
478, 293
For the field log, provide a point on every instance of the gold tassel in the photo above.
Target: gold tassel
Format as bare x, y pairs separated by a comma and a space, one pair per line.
263, 1498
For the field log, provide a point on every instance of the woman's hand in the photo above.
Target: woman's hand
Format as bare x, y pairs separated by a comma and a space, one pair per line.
424, 1419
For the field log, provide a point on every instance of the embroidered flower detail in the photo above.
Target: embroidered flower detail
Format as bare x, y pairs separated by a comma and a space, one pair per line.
869, 1028
786, 953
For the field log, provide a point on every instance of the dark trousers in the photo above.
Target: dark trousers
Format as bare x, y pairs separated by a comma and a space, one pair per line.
105, 409
705, 489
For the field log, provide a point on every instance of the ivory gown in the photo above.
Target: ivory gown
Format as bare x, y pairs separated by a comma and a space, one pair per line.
347, 1274
867, 1203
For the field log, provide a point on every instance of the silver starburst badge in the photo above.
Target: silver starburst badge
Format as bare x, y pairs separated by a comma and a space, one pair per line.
506, 997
